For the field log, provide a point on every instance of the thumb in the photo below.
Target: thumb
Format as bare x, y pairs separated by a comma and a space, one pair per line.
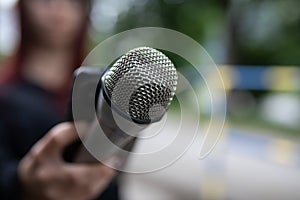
59, 137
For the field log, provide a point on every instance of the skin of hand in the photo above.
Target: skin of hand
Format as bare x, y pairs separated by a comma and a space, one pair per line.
45, 175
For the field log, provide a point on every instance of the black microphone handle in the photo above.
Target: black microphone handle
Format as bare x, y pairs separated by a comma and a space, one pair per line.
111, 130
76, 152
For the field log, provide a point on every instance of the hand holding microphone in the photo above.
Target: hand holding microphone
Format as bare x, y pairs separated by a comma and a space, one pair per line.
45, 175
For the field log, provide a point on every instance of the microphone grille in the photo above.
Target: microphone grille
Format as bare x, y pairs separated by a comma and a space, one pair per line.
142, 83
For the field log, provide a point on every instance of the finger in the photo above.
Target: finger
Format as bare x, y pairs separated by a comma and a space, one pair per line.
101, 176
47, 148
92, 177
59, 137
96, 170
91, 172
105, 171
107, 174
24, 168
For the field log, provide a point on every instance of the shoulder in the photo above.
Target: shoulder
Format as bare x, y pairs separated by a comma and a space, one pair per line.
6, 96
19, 99
27, 113
12, 94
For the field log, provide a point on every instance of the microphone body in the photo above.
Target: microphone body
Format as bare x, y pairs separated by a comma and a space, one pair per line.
116, 129
135, 92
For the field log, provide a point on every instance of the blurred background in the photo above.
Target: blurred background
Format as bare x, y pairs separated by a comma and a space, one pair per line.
256, 45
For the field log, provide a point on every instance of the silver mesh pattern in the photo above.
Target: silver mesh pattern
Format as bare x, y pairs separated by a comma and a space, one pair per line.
142, 83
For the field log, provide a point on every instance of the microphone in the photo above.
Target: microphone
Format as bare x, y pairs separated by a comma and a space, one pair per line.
135, 92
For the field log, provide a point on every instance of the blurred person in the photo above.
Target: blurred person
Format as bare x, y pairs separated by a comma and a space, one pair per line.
34, 89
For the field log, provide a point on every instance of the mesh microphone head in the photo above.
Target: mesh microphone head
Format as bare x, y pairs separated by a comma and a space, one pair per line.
142, 84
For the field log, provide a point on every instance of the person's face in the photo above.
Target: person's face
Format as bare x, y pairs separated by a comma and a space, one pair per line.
55, 22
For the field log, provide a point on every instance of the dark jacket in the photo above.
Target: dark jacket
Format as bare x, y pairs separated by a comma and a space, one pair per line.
27, 113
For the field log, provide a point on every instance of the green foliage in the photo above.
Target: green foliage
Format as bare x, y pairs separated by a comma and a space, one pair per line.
245, 32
